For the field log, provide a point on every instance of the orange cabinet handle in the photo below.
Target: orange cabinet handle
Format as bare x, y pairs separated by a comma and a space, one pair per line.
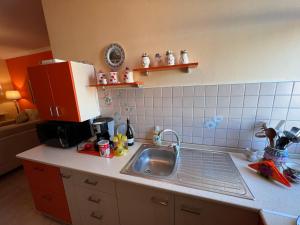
190, 210
87, 181
93, 214
91, 199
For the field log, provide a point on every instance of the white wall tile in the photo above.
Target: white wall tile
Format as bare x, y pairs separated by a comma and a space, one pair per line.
197, 132
167, 102
237, 89
220, 142
234, 123
139, 102
177, 91
236, 101
252, 89
293, 114
157, 102
258, 145
223, 124
208, 133
167, 112
199, 101
187, 139
247, 124
149, 102
246, 135
209, 112
291, 123
177, 129
167, 122
187, 122
177, 102
198, 122
250, 101
232, 142
148, 92
158, 121
188, 101
187, 131
263, 113
188, 91
210, 101
157, 92
177, 112
295, 101
282, 101
224, 90
233, 134
208, 141
177, 121
211, 90
279, 113
139, 93
265, 101
235, 112
223, 112
130, 93
197, 140
296, 89
244, 144
284, 88
187, 112
223, 101
199, 112
149, 112
267, 89
249, 113
199, 91
167, 92
221, 133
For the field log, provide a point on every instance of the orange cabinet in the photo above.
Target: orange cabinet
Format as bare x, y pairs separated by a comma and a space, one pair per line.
47, 190
61, 91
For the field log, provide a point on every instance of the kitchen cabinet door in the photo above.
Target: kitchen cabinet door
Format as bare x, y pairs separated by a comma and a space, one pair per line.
47, 190
141, 205
41, 90
192, 211
63, 91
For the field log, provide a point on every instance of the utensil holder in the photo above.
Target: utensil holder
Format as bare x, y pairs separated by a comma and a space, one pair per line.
278, 156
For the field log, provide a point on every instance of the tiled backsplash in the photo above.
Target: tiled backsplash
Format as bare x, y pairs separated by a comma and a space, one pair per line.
187, 110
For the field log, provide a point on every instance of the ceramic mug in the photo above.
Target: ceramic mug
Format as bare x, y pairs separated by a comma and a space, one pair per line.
113, 77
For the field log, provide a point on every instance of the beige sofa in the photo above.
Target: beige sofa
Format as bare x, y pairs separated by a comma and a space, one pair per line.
16, 138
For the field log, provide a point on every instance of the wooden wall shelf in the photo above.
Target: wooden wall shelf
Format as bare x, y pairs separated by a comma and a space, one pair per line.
185, 67
137, 84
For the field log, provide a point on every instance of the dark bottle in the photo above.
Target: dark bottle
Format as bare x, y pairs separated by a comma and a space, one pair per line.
129, 134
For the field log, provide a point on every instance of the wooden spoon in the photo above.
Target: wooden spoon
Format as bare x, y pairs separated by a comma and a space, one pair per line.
271, 134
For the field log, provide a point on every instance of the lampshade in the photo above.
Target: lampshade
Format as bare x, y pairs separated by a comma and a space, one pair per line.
13, 95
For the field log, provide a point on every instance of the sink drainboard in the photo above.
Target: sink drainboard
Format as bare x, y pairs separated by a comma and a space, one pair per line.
201, 169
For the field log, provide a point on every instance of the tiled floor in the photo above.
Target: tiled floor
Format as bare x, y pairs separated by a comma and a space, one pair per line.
16, 206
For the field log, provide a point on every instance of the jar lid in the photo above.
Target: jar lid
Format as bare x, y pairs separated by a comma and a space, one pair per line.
169, 52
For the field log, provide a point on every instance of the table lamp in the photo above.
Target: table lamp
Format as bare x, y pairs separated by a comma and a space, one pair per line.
15, 96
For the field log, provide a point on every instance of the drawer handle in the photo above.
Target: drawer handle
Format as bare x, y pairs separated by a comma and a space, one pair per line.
93, 214
94, 183
159, 201
65, 176
98, 200
190, 210
38, 169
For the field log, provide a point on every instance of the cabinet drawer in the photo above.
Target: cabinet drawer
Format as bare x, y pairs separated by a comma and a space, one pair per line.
45, 177
87, 180
97, 207
52, 204
190, 211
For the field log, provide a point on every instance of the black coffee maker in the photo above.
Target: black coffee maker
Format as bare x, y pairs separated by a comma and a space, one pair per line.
104, 128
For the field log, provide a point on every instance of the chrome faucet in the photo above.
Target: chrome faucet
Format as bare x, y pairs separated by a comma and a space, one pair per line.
176, 147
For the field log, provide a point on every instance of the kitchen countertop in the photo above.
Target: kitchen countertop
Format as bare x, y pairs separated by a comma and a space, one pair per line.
273, 199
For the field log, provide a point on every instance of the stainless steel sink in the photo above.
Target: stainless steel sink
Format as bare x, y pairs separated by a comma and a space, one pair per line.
201, 169
152, 161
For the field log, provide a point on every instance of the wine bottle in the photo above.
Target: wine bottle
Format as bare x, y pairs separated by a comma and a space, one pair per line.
129, 134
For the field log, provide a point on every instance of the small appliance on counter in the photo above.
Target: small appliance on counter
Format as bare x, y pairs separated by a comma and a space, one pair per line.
63, 134
104, 128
